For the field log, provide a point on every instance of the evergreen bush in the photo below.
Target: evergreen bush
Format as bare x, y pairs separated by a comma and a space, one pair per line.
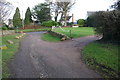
49, 23
107, 23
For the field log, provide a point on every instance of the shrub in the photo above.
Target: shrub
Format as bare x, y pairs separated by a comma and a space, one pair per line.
59, 23
4, 28
107, 23
11, 28
89, 21
69, 23
49, 23
81, 22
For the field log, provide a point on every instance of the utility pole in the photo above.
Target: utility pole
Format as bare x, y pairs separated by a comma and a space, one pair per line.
22, 19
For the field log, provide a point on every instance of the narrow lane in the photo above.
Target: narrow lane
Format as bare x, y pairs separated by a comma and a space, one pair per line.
40, 59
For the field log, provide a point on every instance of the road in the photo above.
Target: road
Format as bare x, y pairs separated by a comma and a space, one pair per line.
40, 59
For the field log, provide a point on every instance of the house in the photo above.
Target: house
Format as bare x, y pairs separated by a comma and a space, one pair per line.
67, 19
10, 23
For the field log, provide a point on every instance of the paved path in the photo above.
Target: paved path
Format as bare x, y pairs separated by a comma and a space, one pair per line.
40, 59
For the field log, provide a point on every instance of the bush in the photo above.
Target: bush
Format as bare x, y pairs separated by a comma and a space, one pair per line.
89, 21
59, 23
11, 28
107, 23
49, 23
4, 28
81, 22
69, 23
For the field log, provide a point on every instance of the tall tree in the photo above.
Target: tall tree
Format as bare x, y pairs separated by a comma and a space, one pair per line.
28, 17
41, 12
5, 11
17, 22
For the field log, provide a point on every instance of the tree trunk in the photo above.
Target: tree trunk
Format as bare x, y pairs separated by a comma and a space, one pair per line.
65, 18
56, 17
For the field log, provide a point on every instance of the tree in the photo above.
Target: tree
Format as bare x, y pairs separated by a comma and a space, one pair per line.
28, 17
81, 22
17, 22
61, 7
41, 12
64, 9
116, 5
5, 11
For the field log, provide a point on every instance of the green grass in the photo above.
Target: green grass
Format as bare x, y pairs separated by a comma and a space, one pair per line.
77, 32
7, 54
103, 54
50, 38
34, 30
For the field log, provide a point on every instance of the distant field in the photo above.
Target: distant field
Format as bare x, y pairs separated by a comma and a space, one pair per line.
76, 32
104, 56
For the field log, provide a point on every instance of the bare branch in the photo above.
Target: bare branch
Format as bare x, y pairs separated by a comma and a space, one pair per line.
5, 10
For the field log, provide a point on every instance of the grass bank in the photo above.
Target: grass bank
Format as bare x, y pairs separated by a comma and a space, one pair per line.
75, 33
8, 53
102, 57
50, 38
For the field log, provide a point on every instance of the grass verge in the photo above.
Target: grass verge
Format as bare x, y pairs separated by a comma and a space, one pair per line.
76, 32
103, 58
34, 30
7, 54
50, 38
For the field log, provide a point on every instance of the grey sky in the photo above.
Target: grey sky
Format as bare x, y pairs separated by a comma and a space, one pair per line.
79, 9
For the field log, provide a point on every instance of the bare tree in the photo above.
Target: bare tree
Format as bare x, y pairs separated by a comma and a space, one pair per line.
61, 7
5, 10
65, 6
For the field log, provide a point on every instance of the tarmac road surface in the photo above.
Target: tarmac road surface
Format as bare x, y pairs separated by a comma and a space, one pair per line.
40, 59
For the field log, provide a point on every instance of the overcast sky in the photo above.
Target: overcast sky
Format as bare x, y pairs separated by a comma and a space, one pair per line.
79, 9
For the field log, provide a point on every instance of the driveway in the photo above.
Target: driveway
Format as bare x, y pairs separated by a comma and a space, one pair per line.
40, 59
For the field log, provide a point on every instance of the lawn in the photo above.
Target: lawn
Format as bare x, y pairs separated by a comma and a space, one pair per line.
103, 57
7, 54
50, 38
76, 32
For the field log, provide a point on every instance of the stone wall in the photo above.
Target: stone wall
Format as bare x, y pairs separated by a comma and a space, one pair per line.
6, 32
61, 36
